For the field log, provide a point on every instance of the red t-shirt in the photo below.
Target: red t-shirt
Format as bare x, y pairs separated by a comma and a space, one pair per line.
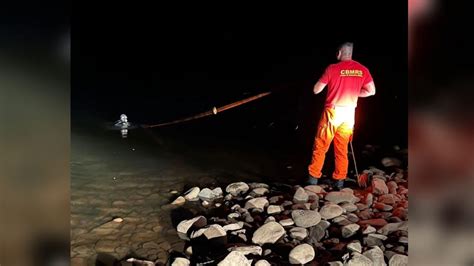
344, 81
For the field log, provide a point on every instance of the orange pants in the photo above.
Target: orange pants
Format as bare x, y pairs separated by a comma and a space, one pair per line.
336, 124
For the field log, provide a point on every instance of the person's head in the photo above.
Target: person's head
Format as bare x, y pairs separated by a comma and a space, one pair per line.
345, 51
123, 118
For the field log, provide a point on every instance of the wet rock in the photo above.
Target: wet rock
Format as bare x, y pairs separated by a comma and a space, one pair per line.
140, 262
300, 196
340, 197
401, 213
352, 217
315, 189
237, 188
382, 207
257, 203
235, 258
374, 222
268, 233
302, 254
207, 194
403, 240
184, 226
218, 204
306, 218
369, 199
362, 207
275, 199
382, 215
399, 249
233, 227
262, 263
389, 254
392, 227
391, 162
181, 262
355, 246
273, 209
394, 219
379, 187
317, 233
359, 260
298, 233
267, 252
376, 256
392, 187
270, 219
192, 194
248, 218
369, 230
287, 222
389, 199
335, 263
332, 241
398, 260
257, 192
233, 215
246, 250
189, 251
379, 236
205, 204
228, 197
341, 221
286, 203
255, 185
179, 201
331, 211
243, 237
349, 230
349, 207
372, 241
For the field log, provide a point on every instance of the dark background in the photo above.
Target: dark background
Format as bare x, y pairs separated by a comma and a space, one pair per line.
170, 63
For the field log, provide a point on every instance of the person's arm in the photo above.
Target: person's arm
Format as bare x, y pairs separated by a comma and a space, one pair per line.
323, 81
367, 90
318, 87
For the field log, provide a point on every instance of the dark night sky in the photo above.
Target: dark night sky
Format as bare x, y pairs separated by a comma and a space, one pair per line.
169, 63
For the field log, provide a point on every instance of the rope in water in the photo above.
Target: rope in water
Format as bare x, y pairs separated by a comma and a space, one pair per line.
214, 111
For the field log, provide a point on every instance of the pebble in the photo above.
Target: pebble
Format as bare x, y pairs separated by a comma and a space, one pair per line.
379, 187
237, 188
262, 263
331, 211
398, 260
287, 222
301, 254
300, 196
181, 262
235, 258
359, 260
340, 197
192, 194
355, 246
298, 233
268, 233
179, 201
376, 256
369, 230
273, 209
306, 218
246, 250
118, 220
349, 207
349, 230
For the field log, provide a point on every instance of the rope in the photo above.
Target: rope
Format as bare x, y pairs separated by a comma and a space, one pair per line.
214, 111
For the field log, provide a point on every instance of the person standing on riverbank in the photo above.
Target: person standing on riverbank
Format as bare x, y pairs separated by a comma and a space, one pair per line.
346, 80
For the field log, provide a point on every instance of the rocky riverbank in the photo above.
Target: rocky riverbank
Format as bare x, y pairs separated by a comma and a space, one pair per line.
279, 224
